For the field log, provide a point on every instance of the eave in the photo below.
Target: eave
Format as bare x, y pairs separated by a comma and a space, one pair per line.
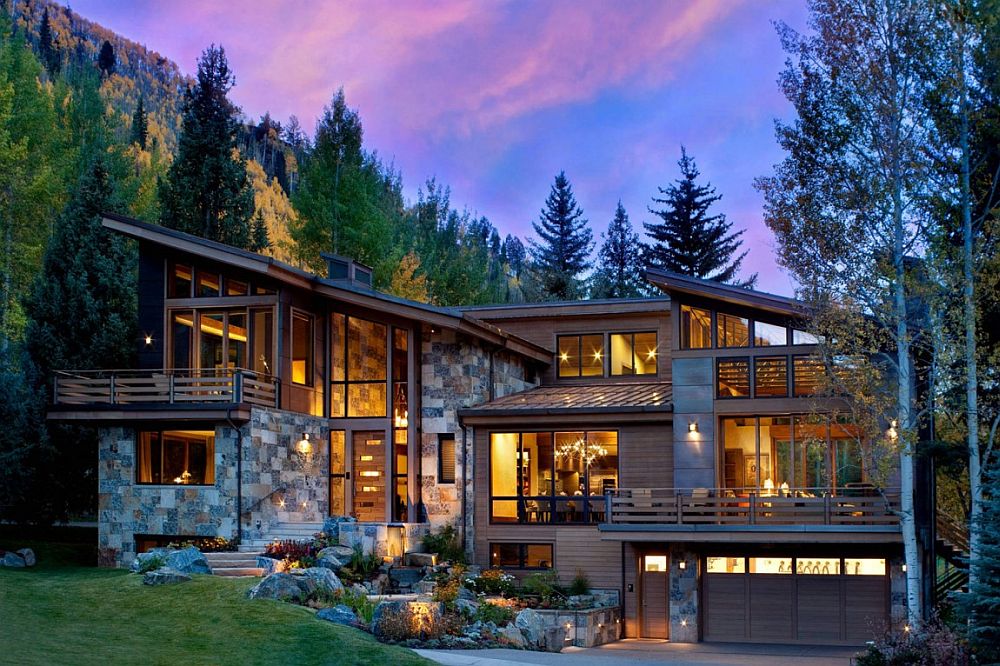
675, 283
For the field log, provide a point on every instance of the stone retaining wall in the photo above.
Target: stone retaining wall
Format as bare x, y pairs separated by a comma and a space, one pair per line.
587, 627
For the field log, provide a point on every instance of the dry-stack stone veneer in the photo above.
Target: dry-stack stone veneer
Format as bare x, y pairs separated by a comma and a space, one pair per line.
456, 374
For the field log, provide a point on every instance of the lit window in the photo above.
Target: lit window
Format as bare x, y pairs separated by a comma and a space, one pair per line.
236, 287
725, 565
770, 377
446, 458
521, 555
581, 355
864, 567
817, 566
656, 563
803, 338
696, 328
770, 565
208, 284
808, 372
733, 378
179, 284
176, 457
633, 354
302, 349
732, 331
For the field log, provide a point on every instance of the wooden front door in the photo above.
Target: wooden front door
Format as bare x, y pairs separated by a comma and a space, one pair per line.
654, 579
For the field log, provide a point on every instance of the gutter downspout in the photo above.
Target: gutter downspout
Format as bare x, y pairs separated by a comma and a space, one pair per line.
239, 475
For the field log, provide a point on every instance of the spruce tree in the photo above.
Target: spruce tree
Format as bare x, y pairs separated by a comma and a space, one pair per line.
984, 594
106, 59
81, 314
259, 238
207, 191
619, 267
47, 49
690, 241
563, 252
140, 124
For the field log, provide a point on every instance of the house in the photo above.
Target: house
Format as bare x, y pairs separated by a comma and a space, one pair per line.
673, 449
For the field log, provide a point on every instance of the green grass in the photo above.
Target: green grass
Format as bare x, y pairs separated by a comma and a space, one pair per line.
62, 613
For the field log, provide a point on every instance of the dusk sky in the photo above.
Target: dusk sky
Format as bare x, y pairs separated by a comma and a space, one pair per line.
495, 98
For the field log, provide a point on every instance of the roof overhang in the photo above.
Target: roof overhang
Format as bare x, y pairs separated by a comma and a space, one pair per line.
448, 318
854, 534
559, 417
159, 413
675, 283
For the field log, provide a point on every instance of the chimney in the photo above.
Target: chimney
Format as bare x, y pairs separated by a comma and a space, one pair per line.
345, 269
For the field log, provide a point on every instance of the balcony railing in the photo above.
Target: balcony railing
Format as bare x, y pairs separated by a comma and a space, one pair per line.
173, 386
715, 506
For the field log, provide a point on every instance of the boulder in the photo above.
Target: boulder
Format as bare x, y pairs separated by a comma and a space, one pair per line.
399, 620
466, 593
342, 553
532, 625
317, 579
339, 614
466, 607
186, 560
165, 576
28, 555
329, 562
512, 635
279, 586
12, 560
420, 559
554, 639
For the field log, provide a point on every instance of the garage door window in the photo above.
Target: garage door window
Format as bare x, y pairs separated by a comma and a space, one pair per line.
820, 566
726, 565
864, 567
770, 565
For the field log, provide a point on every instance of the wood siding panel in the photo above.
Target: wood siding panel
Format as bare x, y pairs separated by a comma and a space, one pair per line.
725, 610
819, 604
581, 548
645, 456
772, 607
867, 607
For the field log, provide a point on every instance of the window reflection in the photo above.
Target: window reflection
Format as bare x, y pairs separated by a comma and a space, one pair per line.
696, 328
769, 335
732, 331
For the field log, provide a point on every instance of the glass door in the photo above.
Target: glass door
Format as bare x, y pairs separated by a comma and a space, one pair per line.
369, 475
338, 473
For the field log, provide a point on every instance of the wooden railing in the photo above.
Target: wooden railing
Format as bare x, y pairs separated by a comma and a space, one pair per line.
705, 506
173, 386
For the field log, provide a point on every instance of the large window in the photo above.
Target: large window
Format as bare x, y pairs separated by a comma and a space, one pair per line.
176, 457
733, 378
222, 340
769, 335
633, 354
521, 555
185, 281
581, 355
302, 348
792, 455
696, 328
546, 477
770, 376
359, 366
732, 331
801, 566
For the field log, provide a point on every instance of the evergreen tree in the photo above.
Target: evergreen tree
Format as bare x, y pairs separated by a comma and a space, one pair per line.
688, 240
140, 124
984, 594
81, 314
563, 252
207, 191
47, 49
619, 269
106, 59
260, 240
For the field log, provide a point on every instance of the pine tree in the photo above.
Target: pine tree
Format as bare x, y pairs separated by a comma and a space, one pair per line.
563, 252
688, 240
260, 240
81, 314
984, 594
619, 268
106, 59
47, 49
207, 191
140, 124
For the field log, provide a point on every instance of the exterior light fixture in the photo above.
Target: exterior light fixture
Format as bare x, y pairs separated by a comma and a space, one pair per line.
148, 339
281, 503
684, 623
906, 628
904, 568
304, 446
682, 565
693, 426
892, 433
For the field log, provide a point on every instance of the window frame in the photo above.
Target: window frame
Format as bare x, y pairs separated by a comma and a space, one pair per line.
523, 554
346, 382
631, 335
720, 331
750, 378
310, 368
209, 459
770, 357
442, 438
681, 336
579, 367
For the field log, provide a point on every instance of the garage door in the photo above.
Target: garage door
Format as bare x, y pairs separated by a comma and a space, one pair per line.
794, 600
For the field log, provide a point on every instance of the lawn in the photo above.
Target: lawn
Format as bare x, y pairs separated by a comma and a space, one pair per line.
63, 613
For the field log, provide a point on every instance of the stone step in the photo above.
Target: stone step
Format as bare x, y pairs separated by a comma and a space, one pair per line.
246, 560
224, 557
238, 571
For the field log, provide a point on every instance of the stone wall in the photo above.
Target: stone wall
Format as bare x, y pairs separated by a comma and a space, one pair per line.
456, 374
683, 603
270, 461
587, 627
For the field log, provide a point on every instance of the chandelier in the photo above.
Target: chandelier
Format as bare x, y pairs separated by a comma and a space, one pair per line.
579, 449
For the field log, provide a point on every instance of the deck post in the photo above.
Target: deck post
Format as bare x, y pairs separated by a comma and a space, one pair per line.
607, 507
237, 386
680, 507
111, 389
753, 508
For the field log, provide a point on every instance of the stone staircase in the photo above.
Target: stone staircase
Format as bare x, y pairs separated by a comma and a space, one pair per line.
233, 564
281, 532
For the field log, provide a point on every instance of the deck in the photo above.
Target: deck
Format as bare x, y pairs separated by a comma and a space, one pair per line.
165, 387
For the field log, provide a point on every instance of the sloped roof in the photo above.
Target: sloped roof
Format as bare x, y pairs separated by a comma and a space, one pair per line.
674, 283
578, 399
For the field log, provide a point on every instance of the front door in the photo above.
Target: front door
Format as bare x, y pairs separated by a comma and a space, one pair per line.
654, 579
369, 475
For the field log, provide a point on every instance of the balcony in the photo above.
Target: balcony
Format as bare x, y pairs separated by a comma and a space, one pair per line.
719, 510
164, 387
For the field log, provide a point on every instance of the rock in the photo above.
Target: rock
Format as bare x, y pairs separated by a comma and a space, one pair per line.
466, 593
511, 634
28, 555
399, 620
164, 576
268, 564
420, 559
12, 560
317, 579
186, 560
530, 622
279, 586
342, 553
467, 607
554, 638
329, 562
358, 588
405, 577
331, 526
339, 614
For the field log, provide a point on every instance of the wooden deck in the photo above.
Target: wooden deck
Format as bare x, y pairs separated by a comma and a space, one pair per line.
704, 506
164, 387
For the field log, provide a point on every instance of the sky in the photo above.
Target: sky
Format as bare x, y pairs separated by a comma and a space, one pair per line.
494, 98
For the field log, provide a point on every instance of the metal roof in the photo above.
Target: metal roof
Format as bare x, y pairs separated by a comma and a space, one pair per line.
595, 398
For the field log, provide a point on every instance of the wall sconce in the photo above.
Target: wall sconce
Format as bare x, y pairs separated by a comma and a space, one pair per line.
904, 568
693, 426
682, 565
304, 446
148, 339
684, 623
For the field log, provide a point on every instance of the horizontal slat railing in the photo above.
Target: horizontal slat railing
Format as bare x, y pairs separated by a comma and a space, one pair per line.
714, 506
174, 386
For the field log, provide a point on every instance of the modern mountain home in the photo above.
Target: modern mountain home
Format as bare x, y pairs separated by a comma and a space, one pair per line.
673, 449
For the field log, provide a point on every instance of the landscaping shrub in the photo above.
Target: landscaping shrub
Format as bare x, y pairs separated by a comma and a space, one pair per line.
151, 564
394, 625
359, 603
580, 584
544, 584
936, 644
292, 551
446, 591
492, 582
446, 543
362, 566
207, 544
498, 615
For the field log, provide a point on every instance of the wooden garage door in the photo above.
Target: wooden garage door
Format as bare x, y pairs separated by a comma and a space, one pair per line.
805, 603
